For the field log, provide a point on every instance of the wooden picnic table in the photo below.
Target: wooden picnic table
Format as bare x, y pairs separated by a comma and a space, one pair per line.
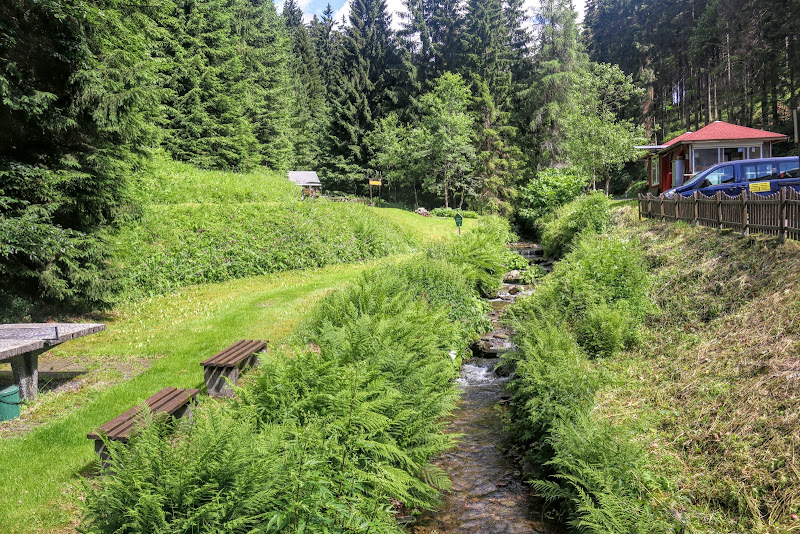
22, 344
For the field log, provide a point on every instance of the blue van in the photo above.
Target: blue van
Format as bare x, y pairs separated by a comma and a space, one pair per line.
764, 176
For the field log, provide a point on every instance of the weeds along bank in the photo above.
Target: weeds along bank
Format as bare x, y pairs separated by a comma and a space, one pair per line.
332, 434
210, 226
656, 384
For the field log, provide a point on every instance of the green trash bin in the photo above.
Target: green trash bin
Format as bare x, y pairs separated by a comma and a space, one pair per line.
9, 403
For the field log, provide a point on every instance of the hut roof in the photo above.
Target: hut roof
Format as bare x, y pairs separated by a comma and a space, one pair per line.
305, 178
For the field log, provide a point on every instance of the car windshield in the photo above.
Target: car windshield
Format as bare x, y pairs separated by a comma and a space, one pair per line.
698, 178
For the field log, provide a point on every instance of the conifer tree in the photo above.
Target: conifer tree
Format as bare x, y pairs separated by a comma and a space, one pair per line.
205, 114
364, 93
487, 58
266, 54
446, 27
79, 95
310, 115
559, 60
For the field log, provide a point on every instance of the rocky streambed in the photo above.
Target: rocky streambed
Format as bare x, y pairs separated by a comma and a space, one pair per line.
488, 495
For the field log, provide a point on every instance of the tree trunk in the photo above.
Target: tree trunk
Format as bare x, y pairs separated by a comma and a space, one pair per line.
446, 184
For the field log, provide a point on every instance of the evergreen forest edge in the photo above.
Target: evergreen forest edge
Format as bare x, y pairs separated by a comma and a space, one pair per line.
477, 105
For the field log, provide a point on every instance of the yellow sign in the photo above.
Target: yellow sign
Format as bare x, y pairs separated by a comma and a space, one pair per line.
374, 182
759, 187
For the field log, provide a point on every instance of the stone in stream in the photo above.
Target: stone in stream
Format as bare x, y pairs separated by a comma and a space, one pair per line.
512, 277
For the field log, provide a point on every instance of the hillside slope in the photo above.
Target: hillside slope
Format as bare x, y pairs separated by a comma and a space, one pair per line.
210, 226
714, 391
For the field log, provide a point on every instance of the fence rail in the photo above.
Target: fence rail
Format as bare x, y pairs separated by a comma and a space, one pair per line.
776, 214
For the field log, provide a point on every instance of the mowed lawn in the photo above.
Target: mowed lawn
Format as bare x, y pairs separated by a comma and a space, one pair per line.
41, 468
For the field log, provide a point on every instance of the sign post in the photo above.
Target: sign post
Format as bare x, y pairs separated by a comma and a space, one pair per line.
371, 183
459, 220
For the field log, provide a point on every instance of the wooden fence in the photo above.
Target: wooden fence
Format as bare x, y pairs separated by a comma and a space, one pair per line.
777, 214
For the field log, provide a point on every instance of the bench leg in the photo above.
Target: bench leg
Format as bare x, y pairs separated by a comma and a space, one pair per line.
25, 368
216, 382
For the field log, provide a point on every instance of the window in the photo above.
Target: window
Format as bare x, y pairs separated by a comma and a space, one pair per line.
723, 175
732, 154
705, 158
655, 171
789, 170
753, 152
756, 171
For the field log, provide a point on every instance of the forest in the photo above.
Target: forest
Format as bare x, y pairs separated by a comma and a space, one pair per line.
480, 105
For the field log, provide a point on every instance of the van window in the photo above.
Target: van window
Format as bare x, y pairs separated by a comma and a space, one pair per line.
723, 175
756, 171
789, 169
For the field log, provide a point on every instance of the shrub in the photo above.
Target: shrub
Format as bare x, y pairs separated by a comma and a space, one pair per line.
481, 253
548, 190
590, 213
553, 381
636, 188
602, 479
450, 212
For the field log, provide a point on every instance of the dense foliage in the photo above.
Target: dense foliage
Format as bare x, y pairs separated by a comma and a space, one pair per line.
333, 435
701, 61
593, 305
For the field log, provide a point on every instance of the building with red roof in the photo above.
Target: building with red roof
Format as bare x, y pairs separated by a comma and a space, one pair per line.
670, 164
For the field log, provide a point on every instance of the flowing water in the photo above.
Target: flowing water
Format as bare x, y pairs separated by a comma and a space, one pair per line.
488, 495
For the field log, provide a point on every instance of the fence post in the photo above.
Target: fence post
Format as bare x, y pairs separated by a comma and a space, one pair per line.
745, 216
719, 210
696, 200
639, 205
661, 204
782, 215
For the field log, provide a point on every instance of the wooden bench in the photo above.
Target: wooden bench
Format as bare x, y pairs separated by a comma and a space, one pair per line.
226, 366
170, 401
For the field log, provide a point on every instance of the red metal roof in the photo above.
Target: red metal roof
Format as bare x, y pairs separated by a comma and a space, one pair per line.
725, 131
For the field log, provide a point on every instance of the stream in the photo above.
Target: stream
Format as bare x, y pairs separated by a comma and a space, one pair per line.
488, 495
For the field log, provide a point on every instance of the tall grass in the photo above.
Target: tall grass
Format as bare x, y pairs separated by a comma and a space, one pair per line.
174, 246
171, 182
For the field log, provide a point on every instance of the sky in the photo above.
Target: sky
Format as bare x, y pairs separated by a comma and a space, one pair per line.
340, 7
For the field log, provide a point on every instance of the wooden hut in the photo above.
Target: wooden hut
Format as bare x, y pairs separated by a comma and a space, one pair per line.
677, 160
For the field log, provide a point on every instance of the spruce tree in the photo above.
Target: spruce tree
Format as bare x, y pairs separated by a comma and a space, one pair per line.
205, 107
560, 59
310, 114
363, 93
487, 60
266, 54
79, 95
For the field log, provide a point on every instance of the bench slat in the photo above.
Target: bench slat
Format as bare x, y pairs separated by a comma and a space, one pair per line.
169, 400
235, 354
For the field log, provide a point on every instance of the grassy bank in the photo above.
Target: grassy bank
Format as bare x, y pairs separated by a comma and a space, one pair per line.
657, 381
42, 467
714, 387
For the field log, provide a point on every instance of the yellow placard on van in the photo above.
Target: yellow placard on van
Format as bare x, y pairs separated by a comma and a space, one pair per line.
759, 187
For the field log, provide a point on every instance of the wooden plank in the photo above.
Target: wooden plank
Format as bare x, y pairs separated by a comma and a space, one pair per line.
167, 401
235, 354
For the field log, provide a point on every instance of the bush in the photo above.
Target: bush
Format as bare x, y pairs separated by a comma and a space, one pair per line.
590, 213
481, 253
548, 190
636, 188
553, 381
450, 212
602, 479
